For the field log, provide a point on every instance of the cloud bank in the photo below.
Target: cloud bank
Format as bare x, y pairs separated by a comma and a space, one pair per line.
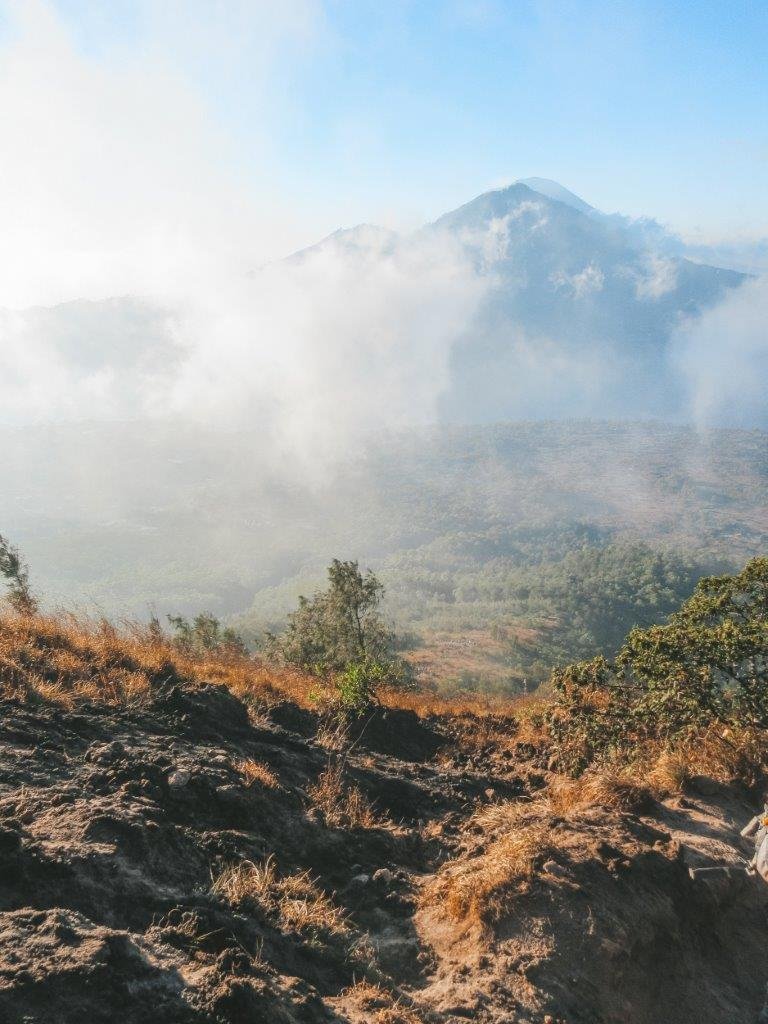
128, 207
724, 357
119, 180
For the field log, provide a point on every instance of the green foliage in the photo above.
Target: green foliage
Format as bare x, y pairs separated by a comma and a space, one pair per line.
340, 633
16, 573
547, 596
356, 685
204, 633
709, 663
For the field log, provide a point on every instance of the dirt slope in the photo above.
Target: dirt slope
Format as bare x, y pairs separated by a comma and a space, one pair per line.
179, 862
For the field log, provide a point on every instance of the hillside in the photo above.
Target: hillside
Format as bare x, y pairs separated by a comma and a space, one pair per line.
470, 528
189, 840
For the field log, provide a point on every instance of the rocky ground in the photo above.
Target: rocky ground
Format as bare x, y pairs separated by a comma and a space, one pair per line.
180, 861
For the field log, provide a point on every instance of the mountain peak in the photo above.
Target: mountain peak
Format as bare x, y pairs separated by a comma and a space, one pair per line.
554, 190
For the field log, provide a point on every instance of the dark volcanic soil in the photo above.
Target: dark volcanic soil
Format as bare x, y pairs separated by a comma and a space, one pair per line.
115, 824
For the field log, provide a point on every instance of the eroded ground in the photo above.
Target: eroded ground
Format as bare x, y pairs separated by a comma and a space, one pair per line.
180, 861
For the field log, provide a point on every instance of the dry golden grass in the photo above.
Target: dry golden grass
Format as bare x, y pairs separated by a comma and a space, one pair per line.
66, 660
342, 803
722, 753
295, 901
512, 727
669, 773
480, 889
368, 995
254, 772
380, 1005
398, 1015
663, 770
427, 704
608, 787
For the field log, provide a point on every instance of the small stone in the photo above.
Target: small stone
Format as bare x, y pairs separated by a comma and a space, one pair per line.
107, 752
10, 843
704, 785
383, 876
232, 796
179, 778
551, 867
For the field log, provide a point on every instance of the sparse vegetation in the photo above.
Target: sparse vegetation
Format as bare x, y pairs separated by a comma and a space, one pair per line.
16, 574
627, 731
480, 890
256, 773
708, 666
340, 635
295, 900
608, 787
343, 804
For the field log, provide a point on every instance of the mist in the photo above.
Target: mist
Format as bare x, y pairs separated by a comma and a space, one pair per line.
132, 194
724, 356
195, 392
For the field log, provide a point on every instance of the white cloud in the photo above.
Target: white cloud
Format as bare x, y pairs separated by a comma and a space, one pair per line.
586, 282
724, 357
657, 278
114, 176
493, 243
118, 180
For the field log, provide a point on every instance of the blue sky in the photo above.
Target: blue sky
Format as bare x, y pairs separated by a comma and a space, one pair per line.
656, 108
397, 111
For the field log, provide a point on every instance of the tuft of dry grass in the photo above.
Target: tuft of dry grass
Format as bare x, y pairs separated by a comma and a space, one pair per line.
380, 1004
398, 1015
607, 787
480, 890
343, 804
254, 772
368, 995
295, 901
669, 774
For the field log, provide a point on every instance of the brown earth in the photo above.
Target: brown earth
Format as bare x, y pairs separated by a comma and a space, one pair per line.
444, 658
177, 860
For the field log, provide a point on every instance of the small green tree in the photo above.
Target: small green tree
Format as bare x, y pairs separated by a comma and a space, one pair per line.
16, 573
340, 632
205, 633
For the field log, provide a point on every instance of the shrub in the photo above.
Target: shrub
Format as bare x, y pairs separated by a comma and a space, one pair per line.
203, 633
16, 573
708, 665
340, 635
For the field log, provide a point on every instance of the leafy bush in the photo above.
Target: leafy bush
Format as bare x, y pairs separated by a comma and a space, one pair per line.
339, 634
708, 664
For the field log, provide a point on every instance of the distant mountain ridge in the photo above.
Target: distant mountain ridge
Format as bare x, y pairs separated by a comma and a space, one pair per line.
578, 316
580, 310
